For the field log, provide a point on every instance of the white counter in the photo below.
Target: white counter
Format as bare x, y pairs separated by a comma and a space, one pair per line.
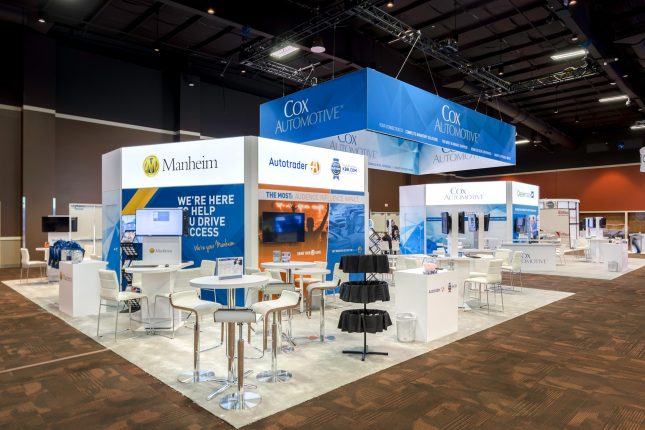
78, 289
615, 252
432, 298
540, 257
595, 246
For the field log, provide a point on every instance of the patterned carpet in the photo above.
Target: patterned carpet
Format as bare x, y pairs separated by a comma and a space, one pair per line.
578, 363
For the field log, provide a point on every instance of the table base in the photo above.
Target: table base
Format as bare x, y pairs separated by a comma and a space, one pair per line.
240, 401
189, 377
278, 376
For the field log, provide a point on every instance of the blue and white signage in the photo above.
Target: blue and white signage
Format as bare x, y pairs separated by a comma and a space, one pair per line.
283, 163
397, 126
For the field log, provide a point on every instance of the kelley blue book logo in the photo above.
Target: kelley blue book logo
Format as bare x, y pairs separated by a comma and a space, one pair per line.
335, 169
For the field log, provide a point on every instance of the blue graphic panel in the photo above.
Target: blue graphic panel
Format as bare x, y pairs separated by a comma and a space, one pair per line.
412, 220
216, 227
525, 221
346, 234
402, 110
333, 107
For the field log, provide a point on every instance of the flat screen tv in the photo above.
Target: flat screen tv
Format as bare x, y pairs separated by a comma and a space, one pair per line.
283, 227
602, 222
486, 222
159, 222
461, 221
520, 224
473, 222
445, 223
59, 224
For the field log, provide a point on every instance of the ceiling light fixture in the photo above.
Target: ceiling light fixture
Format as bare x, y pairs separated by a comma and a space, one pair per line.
612, 83
317, 47
573, 2
625, 75
500, 72
41, 18
638, 125
574, 38
521, 141
577, 119
191, 84
211, 11
569, 54
284, 51
390, 4
613, 98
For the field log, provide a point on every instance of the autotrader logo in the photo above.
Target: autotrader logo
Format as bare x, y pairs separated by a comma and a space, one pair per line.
314, 166
151, 165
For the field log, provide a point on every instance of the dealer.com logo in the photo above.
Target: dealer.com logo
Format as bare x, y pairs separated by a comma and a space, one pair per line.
151, 165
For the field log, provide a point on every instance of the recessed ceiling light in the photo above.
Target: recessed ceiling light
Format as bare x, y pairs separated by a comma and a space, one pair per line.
521, 141
569, 54
211, 11
284, 51
317, 47
613, 99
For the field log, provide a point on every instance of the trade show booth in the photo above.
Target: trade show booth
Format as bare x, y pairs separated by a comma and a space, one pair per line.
180, 203
475, 214
560, 218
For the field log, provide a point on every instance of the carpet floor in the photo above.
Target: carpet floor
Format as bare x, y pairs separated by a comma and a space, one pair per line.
577, 363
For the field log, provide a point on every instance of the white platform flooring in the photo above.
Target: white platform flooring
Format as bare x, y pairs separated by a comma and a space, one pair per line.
317, 368
586, 269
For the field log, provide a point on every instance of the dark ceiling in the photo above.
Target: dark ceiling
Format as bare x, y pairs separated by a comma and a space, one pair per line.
506, 42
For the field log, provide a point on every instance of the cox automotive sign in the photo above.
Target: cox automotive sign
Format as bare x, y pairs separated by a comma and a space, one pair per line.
331, 108
466, 193
217, 161
283, 163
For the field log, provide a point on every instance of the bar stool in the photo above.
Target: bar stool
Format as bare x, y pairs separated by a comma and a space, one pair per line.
491, 277
288, 300
241, 399
189, 302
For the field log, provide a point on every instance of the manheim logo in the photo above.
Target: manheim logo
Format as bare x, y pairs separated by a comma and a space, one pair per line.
151, 165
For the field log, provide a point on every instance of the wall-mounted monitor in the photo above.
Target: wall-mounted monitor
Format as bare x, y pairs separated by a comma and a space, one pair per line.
520, 224
461, 221
602, 222
159, 222
59, 224
486, 222
283, 227
446, 223
473, 223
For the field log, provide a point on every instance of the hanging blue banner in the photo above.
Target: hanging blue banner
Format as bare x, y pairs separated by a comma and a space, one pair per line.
405, 118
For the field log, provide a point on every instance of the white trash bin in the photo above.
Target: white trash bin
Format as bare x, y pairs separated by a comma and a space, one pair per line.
406, 325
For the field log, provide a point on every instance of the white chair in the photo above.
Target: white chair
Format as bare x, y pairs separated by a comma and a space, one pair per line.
287, 301
503, 254
491, 281
111, 291
514, 268
322, 287
207, 268
27, 263
559, 252
188, 301
181, 282
582, 244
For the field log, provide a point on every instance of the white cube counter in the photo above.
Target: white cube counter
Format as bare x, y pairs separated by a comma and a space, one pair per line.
615, 253
78, 290
432, 298
539, 257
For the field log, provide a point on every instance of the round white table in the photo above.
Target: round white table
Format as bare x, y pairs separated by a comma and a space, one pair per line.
289, 267
229, 284
308, 271
158, 280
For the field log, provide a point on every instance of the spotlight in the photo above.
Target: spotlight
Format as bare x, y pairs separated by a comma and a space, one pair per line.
625, 75
573, 2
574, 38
628, 102
211, 11
41, 18
612, 83
390, 4
243, 71
500, 72
576, 119
191, 84
556, 110
318, 47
